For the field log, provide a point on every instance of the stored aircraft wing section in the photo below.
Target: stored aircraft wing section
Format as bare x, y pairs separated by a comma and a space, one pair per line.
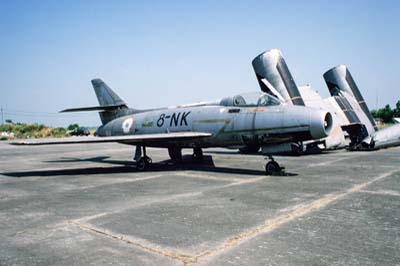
129, 139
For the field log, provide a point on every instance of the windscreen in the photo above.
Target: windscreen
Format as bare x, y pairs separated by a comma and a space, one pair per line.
255, 99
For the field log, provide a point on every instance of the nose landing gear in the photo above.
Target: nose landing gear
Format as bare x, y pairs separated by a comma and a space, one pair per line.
273, 167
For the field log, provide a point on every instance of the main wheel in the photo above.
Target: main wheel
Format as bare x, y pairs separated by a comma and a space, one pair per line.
141, 164
272, 167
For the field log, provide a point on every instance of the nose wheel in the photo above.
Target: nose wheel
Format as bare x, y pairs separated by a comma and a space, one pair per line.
272, 167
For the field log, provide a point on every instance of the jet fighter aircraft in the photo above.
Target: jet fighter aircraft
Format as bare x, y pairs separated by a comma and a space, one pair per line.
230, 122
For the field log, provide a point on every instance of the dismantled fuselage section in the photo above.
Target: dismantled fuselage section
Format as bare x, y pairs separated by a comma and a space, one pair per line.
353, 125
274, 78
362, 129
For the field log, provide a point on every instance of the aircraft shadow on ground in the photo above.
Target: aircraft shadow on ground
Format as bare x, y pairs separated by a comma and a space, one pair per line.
312, 152
121, 166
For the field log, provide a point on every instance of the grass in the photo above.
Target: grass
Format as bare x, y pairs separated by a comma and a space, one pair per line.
22, 130
384, 125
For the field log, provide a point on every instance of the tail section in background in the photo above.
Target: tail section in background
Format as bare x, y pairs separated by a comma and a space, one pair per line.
111, 105
274, 77
362, 128
340, 82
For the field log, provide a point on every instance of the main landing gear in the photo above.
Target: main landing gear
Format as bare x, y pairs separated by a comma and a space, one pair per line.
272, 167
197, 155
175, 153
142, 162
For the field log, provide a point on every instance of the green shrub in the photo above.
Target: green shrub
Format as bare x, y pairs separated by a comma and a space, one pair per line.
59, 132
73, 126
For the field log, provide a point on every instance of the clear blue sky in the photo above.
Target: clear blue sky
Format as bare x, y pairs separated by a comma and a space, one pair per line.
161, 53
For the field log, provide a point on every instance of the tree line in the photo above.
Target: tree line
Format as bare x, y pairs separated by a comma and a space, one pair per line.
387, 113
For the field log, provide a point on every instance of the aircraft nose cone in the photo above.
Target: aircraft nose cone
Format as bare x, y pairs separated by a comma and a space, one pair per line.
320, 123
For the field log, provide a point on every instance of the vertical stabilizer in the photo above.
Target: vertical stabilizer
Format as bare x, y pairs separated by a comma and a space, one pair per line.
107, 97
274, 77
105, 94
340, 82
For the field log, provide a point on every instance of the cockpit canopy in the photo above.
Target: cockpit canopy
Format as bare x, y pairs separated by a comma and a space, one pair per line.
251, 99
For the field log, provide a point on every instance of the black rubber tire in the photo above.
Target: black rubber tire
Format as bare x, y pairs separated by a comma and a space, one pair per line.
141, 164
272, 167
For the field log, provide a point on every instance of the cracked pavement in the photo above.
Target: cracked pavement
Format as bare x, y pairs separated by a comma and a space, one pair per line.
87, 205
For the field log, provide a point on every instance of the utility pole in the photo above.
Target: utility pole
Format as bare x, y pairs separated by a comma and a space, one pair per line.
2, 116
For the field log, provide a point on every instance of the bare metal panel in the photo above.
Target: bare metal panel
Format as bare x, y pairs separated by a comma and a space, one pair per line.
347, 109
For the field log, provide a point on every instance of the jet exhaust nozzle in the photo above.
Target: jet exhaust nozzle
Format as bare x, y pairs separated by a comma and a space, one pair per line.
320, 124
308, 123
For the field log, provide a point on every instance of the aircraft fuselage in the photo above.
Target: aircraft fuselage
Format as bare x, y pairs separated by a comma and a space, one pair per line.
229, 125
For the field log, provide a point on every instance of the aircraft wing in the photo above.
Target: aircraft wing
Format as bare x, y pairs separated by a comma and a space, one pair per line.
129, 139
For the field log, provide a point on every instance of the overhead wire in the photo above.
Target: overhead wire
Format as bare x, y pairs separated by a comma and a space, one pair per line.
12, 112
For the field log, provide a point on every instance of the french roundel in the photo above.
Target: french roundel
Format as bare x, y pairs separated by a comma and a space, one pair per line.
127, 124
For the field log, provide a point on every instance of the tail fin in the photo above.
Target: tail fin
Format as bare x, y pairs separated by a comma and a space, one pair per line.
111, 105
338, 80
274, 77
105, 94
107, 97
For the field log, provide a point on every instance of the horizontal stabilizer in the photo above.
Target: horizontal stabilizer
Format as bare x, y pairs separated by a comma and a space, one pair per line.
95, 108
130, 139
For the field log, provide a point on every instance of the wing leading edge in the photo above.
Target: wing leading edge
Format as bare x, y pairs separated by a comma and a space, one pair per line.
131, 139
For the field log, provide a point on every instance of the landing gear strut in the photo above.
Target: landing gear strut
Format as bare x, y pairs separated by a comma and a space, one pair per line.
175, 153
272, 167
197, 155
142, 162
